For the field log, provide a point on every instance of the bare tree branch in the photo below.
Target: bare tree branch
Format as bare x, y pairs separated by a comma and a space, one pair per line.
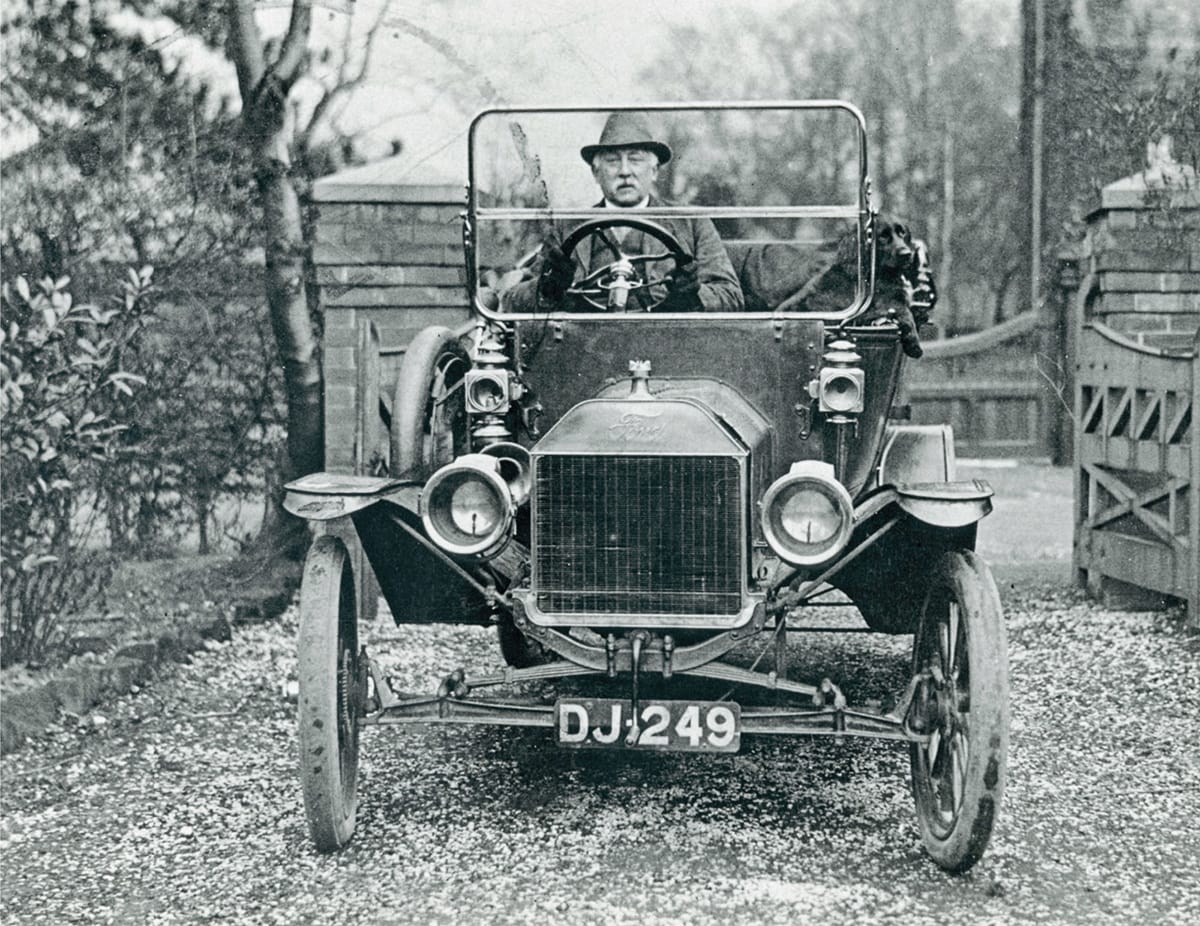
486, 88
295, 43
246, 49
17, 98
344, 83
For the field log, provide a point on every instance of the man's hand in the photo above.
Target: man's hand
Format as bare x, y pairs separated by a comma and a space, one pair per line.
683, 288
558, 273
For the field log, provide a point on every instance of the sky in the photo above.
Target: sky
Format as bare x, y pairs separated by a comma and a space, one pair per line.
424, 84
498, 52
436, 62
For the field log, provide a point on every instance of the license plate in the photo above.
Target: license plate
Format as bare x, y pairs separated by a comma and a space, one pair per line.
676, 726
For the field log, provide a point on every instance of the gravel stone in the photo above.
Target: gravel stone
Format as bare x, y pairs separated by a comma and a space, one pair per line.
185, 806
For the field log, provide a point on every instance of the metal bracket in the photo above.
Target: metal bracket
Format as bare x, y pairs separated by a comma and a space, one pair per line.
635, 731
383, 691
829, 695
784, 603
804, 418
614, 656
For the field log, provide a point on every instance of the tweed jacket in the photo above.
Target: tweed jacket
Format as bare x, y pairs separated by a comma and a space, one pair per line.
719, 287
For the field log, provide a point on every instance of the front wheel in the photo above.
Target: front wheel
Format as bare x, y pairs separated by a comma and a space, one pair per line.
332, 694
518, 650
961, 658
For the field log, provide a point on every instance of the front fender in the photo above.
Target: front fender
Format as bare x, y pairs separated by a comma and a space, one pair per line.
420, 582
946, 504
325, 496
889, 581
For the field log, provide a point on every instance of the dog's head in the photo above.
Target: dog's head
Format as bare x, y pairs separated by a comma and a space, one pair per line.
894, 252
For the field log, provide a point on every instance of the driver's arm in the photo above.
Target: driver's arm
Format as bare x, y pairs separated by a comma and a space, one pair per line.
523, 296
720, 290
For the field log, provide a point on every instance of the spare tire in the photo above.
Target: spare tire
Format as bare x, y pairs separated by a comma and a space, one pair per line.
429, 418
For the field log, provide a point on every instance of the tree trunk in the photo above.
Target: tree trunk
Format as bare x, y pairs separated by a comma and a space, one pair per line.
202, 523
290, 320
264, 91
945, 277
1030, 89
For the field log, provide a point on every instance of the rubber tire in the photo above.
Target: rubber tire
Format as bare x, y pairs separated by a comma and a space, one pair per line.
413, 456
328, 747
518, 650
957, 844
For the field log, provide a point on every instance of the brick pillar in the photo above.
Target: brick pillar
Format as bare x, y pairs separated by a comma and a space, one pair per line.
1141, 261
387, 255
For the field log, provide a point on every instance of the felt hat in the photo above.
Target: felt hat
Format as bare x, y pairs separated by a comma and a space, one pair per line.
626, 130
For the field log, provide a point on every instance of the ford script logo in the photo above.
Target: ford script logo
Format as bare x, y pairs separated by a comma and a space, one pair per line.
638, 428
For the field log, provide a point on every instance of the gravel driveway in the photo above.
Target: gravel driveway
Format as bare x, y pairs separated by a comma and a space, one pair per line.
179, 804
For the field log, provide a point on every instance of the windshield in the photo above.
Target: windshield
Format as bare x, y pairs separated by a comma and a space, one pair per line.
768, 200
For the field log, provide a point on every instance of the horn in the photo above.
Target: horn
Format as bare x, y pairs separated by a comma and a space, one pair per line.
515, 468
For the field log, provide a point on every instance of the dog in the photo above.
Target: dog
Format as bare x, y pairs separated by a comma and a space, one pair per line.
904, 287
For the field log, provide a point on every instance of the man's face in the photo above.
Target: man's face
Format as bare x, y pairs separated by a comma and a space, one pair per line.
625, 175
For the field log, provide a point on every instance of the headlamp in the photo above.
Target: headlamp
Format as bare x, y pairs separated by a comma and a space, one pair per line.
467, 508
807, 515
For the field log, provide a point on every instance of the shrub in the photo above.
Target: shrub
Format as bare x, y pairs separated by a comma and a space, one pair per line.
205, 428
61, 383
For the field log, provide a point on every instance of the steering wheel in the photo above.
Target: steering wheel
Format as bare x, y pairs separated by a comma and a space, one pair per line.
627, 273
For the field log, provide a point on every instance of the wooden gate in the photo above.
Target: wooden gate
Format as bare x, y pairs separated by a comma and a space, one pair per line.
1137, 396
1138, 465
997, 389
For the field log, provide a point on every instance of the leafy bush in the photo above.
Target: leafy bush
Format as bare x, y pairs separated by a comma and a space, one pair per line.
206, 429
61, 386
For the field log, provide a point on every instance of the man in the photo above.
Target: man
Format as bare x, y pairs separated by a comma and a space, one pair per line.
625, 165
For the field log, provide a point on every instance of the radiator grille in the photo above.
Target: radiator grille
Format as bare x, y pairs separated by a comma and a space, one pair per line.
637, 535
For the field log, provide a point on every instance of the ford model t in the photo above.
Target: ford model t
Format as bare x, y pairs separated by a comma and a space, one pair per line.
669, 430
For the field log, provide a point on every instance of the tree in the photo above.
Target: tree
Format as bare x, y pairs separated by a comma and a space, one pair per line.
1107, 85
937, 87
265, 83
266, 76
134, 163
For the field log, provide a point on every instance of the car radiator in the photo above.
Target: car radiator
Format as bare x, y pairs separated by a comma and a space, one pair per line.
638, 535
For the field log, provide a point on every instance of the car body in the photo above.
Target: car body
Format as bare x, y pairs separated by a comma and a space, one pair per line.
630, 496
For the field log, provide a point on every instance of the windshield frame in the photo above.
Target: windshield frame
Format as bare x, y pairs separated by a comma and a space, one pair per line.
860, 212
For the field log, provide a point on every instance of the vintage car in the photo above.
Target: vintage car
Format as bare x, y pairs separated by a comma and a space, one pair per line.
636, 496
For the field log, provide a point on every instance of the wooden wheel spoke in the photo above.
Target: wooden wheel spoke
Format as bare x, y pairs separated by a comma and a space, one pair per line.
963, 746
935, 742
948, 634
441, 395
958, 770
442, 414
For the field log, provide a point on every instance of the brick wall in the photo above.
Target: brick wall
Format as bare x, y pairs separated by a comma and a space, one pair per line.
391, 253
